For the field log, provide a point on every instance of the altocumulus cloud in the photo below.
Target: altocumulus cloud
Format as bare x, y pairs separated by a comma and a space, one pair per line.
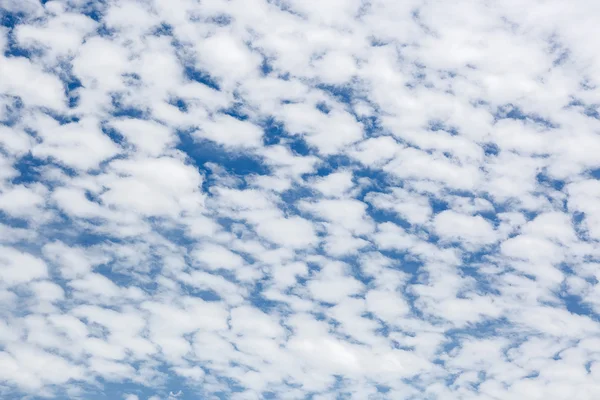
299, 199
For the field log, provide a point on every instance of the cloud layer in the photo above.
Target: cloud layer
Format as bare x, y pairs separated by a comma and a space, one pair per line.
299, 199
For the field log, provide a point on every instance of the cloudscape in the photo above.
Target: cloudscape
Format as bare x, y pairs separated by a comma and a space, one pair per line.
299, 199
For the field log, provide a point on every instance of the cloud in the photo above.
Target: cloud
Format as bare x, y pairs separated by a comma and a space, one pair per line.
299, 199
79, 145
19, 267
464, 229
230, 131
46, 92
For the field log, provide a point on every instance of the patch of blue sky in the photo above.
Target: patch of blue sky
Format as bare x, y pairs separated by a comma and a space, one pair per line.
511, 111
194, 74
275, 133
202, 152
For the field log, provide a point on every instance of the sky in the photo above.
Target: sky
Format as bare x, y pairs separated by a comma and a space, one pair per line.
299, 199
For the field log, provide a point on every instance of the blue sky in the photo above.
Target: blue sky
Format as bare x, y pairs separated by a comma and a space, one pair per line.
299, 199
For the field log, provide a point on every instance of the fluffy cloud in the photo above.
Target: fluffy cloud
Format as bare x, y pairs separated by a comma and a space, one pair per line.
299, 199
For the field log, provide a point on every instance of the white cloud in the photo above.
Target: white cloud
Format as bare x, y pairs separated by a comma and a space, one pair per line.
153, 186
147, 136
31, 83
348, 213
100, 63
15, 141
415, 164
335, 184
388, 306
294, 232
71, 262
227, 57
583, 196
22, 201
60, 36
333, 284
329, 133
80, 145
462, 228
299, 199
34, 368
215, 257
251, 321
18, 267
413, 207
229, 131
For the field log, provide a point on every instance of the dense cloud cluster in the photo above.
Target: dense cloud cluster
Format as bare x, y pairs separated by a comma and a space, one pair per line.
299, 199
